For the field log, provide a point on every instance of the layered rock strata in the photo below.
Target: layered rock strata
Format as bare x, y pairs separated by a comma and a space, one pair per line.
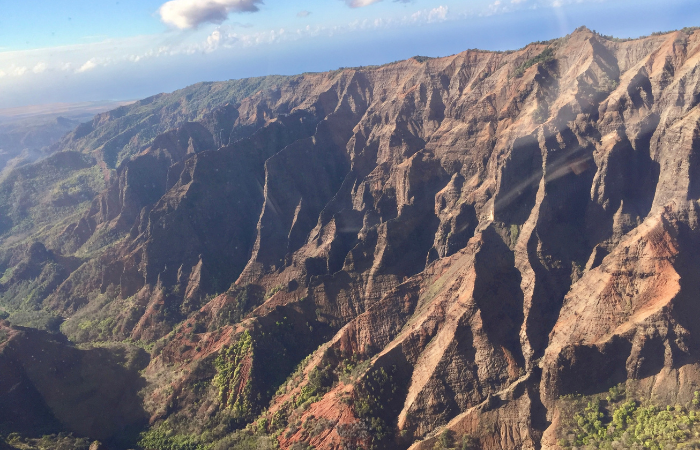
478, 234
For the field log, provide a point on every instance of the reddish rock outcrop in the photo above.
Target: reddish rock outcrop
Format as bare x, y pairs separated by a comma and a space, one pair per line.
461, 240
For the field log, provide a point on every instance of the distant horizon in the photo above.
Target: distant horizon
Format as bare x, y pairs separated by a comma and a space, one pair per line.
170, 49
65, 109
50, 108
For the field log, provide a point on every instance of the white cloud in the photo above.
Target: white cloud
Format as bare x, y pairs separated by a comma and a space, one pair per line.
40, 67
89, 65
84, 58
303, 13
185, 14
266, 37
214, 39
221, 37
18, 71
438, 14
360, 3
498, 8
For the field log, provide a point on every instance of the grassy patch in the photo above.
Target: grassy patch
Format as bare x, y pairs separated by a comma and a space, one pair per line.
273, 291
41, 320
37, 200
163, 438
60, 441
615, 421
514, 233
105, 317
7, 275
30, 294
235, 385
546, 56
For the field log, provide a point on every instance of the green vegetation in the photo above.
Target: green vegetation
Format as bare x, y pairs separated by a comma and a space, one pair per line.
546, 56
39, 319
315, 426
7, 275
375, 396
321, 379
376, 402
689, 30
618, 422
422, 59
219, 432
350, 368
448, 441
514, 233
163, 438
60, 441
244, 376
30, 294
27, 283
38, 200
282, 344
245, 440
685, 30
273, 291
79, 187
235, 385
240, 302
106, 317
133, 127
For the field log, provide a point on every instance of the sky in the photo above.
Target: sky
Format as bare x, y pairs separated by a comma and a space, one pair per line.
95, 50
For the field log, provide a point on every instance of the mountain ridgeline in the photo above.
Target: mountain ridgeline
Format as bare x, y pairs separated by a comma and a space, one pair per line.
481, 251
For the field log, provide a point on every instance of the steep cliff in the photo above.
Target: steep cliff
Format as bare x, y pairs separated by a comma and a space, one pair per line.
443, 248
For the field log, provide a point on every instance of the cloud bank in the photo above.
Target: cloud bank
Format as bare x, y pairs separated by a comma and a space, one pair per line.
185, 14
438, 14
113, 55
89, 65
361, 3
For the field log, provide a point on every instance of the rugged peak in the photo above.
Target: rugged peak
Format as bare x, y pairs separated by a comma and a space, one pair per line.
583, 30
444, 248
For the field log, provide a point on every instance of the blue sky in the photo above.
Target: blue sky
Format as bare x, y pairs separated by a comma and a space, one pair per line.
83, 50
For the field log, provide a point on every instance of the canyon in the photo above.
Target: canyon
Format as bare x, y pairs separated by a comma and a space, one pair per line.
432, 253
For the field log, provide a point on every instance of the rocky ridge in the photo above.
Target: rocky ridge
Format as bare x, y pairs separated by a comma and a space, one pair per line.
442, 244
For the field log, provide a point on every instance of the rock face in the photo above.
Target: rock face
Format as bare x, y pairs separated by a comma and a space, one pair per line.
23, 141
456, 243
51, 386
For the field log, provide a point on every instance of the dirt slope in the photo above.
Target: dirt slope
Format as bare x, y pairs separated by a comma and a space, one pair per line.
453, 242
